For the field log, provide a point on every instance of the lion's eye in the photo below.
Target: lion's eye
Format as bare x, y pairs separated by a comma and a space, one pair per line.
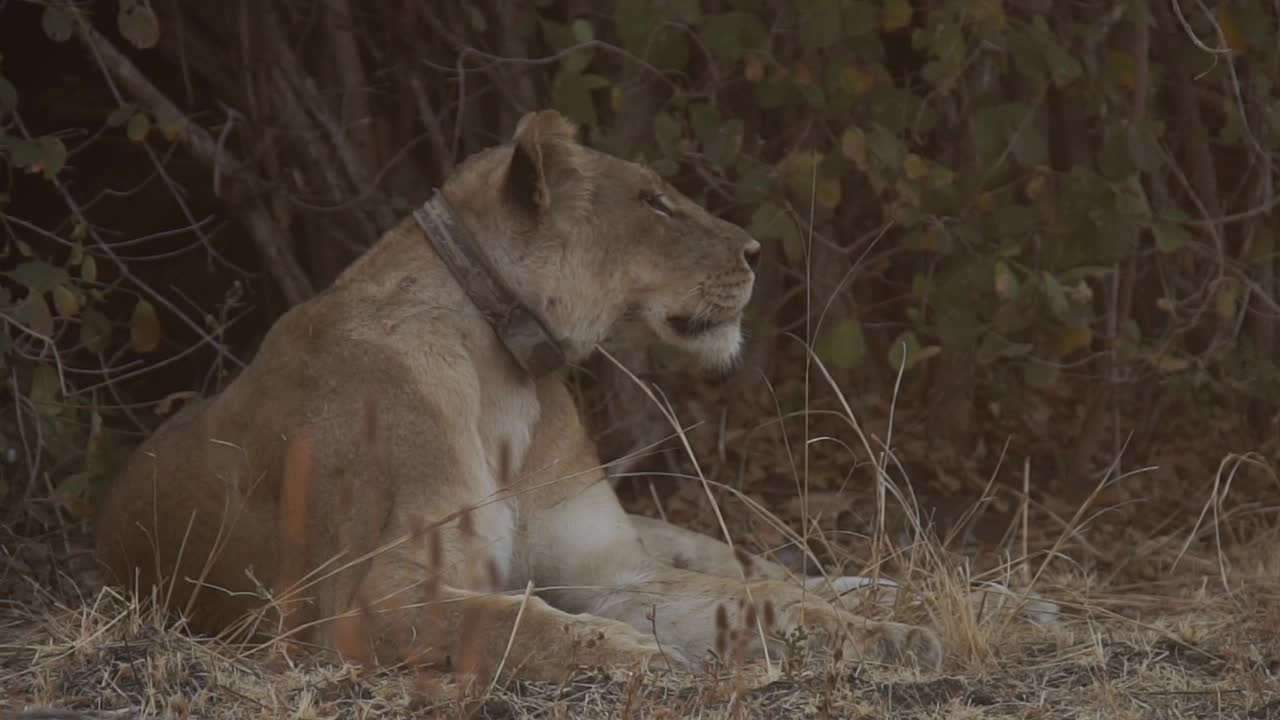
658, 203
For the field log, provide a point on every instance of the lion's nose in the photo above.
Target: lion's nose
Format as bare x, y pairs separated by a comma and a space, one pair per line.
751, 254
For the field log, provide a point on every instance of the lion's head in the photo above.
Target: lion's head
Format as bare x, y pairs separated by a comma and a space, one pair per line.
589, 240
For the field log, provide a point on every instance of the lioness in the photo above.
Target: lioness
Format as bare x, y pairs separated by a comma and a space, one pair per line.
403, 447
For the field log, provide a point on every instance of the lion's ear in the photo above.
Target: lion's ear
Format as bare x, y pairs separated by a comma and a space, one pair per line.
548, 166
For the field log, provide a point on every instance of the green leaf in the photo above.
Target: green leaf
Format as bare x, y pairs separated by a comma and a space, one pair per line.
1144, 148
1013, 221
1040, 375
45, 390
573, 98
55, 156
1132, 202
819, 22
846, 82
1029, 147
476, 18
170, 122
754, 181
57, 22
723, 35
667, 131
8, 96
38, 275
138, 127
1055, 294
705, 120
720, 139
1114, 159
88, 269
941, 177
578, 60
994, 127
34, 313
1005, 281
995, 347
138, 24
634, 21
144, 327
897, 14
1170, 236
582, 31
902, 350
885, 146
1227, 300
65, 301
915, 167
774, 91
121, 115
1064, 68
853, 145
671, 50
1027, 58
754, 36
23, 153
687, 11
844, 345
946, 42
1116, 233
859, 18
770, 222
1069, 340
799, 172
95, 330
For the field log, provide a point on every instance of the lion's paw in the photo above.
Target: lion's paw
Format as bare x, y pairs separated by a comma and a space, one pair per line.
897, 644
616, 646
861, 639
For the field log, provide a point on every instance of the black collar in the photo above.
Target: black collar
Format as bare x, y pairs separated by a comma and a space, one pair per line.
519, 328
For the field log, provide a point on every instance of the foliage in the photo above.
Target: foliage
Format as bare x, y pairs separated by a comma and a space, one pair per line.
1011, 200
62, 318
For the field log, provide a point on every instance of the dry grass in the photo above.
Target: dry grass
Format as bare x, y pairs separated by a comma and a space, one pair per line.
1201, 640
1197, 654
1170, 607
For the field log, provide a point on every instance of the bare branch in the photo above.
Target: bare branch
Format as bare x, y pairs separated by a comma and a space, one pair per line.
293, 283
356, 117
427, 114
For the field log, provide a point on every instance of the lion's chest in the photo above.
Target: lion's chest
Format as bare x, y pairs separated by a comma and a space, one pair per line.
506, 431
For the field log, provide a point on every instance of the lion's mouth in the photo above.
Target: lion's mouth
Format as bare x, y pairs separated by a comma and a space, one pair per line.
693, 326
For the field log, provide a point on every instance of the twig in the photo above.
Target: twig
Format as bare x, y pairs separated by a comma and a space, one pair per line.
294, 284
1237, 94
126, 273
1191, 33
289, 72
427, 114
354, 110
48, 342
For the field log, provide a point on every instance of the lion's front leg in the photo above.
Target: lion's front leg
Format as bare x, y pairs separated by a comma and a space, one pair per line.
706, 615
397, 618
589, 551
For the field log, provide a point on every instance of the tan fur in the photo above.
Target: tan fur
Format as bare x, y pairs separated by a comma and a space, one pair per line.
385, 479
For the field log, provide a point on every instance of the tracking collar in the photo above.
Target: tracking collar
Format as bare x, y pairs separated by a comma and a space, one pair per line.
520, 330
